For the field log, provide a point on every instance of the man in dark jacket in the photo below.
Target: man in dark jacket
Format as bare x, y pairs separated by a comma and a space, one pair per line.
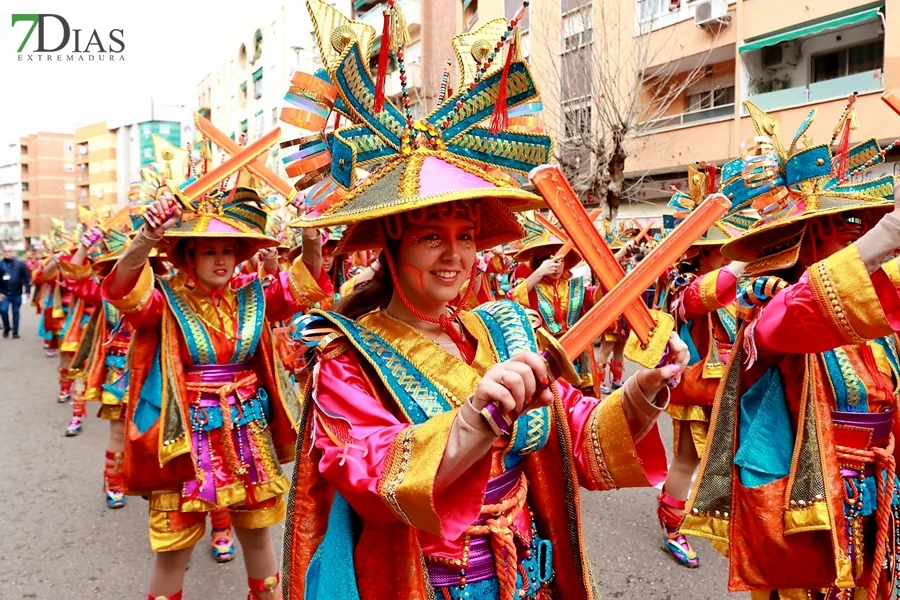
15, 279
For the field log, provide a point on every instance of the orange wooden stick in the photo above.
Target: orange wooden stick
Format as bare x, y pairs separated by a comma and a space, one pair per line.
891, 99
629, 289
560, 197
257, 167
227, 168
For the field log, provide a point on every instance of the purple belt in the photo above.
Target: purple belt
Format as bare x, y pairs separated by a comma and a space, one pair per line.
215, 374
878, 423
481, 561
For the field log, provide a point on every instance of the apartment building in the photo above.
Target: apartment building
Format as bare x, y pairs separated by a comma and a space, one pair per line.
47, 176
110, 156
11, 196
787, 57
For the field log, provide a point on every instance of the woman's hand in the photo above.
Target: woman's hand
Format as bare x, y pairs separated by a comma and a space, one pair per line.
516, 383
652, 381
164, 211
269, 258
549, 268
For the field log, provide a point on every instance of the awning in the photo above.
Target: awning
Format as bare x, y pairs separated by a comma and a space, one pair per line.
812, 28
257, 74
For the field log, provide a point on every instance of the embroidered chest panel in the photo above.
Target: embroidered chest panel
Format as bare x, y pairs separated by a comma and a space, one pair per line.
250, 313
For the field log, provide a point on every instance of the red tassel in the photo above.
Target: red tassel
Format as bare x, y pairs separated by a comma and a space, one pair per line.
337, 120
500, 120
711, 171
841, 164
381, 78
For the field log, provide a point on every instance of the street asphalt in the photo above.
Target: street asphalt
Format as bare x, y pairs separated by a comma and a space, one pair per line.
58, 541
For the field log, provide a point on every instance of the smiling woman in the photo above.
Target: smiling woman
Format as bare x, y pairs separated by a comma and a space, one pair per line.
406, 484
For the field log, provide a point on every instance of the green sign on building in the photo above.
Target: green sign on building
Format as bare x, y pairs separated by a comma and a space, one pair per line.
169, 130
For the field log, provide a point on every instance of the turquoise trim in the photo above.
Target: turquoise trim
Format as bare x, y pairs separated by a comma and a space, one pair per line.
889, 345
247, 412
331, 574
390, 122
728, 323
765, 434
251, 313
149, 404
518, 151
190, 327
576, 301
418, 397
684, 333
807, 164
844, 389
511, 332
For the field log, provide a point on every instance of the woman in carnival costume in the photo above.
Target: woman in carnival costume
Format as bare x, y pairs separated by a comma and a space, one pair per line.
703, 304
211, 411
402, 486
798, 477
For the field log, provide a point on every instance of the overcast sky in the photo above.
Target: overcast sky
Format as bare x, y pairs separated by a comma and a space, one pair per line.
169, 46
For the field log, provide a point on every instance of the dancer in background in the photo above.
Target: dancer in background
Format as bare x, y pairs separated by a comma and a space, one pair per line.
798, 477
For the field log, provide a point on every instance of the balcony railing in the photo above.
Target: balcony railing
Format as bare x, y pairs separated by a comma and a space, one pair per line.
688, 118
412, 11
832, 89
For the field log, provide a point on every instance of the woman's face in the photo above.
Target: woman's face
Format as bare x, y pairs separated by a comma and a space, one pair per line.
435, 260
214, 262
712, 259
830, 235
327, 257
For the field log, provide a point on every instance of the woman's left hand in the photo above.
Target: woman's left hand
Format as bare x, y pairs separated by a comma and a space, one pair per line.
269, 257
651, 381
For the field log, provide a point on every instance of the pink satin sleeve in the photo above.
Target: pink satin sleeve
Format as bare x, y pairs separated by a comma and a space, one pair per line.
355, 454
792, 324
86, 289
280, 303
692, 306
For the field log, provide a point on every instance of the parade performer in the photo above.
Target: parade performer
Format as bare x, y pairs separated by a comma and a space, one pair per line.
55, 302
550, 289
703, 304
211, 412
492, 277
798, 476
402, 488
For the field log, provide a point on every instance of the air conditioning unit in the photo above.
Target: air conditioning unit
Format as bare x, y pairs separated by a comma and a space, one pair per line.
711, 13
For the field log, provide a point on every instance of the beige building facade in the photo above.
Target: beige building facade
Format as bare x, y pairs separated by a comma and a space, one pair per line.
47, 168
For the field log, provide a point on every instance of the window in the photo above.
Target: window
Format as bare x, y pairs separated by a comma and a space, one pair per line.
145, 129
147, 153
164, 129
710, 99
70, 187
257, 83
68, 148
24, 186
578, 29
24, 149
69, 168
244, 126
577, 120
275, 117
259, 125
848, 61
470, 12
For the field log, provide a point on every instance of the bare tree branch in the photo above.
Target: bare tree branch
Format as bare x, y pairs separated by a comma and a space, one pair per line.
613, 85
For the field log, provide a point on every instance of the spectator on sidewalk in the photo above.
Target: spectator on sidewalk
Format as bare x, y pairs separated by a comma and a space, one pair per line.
15, 279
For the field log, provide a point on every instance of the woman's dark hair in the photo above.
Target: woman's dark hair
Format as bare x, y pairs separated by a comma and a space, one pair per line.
374, 294
538, 259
